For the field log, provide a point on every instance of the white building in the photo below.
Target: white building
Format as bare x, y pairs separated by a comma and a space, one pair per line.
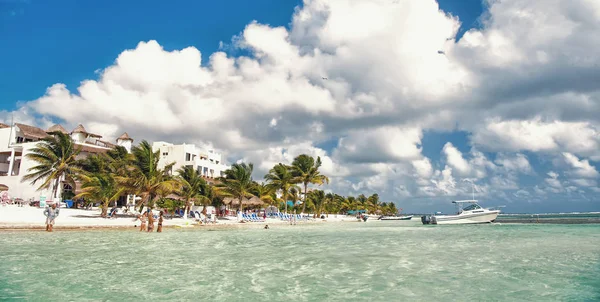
18, 140
207, 162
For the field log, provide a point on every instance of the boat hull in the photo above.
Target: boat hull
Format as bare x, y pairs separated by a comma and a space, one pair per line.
397, 218
471, 218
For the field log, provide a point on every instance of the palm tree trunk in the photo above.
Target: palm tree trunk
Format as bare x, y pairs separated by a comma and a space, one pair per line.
186, 210
55, 188
241, 205
304, 202
285, 200
104, 209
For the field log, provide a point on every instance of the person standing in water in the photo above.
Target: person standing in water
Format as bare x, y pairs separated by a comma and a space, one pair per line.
150, 221
143, 220
51, 213
160, 222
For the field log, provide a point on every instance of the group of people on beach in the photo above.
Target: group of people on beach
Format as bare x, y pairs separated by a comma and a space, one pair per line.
147, 219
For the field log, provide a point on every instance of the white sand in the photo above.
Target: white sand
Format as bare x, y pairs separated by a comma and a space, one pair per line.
14, 217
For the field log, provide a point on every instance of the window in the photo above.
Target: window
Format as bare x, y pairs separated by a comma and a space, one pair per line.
188, 157
19, 139
165, 153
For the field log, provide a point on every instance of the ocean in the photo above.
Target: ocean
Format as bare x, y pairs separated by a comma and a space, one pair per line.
373, 261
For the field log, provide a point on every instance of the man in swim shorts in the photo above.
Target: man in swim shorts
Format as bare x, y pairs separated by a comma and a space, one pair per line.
51, 213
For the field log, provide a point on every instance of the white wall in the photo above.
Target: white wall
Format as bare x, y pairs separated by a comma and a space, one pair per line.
5, 134
17, 188
177, 154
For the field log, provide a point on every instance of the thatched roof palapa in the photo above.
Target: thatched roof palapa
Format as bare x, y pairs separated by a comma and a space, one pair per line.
3, 125
125, 137
81, 129
254, 201
31, 132
57, 128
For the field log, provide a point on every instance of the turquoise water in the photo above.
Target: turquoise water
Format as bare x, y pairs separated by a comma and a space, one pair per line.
378, 261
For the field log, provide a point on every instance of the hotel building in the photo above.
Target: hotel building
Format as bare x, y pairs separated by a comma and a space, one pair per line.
17, 140
208, 163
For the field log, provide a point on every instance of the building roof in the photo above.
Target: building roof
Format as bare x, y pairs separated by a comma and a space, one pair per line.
234, 201
125, 137
57, 128
81, 129
93, 149
3, 125
31, 132
108, 144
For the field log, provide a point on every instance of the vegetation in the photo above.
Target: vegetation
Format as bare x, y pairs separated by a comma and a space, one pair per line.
192, 187
237, 183
106, 177
56, 161
144, 178
99, 177
306, 171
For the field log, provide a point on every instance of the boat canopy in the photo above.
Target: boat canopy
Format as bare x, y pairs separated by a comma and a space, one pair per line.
472, 207
465, 201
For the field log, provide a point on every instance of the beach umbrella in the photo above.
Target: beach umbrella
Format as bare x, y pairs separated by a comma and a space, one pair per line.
3, 187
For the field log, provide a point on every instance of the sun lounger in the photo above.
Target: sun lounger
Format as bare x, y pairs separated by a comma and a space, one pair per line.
256, 218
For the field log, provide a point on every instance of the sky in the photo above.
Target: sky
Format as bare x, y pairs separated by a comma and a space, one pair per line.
420, 101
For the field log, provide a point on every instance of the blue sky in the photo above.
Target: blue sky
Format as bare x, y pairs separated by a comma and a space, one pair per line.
67, 41
46, 42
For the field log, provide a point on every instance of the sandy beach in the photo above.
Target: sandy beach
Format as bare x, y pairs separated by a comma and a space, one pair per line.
13, 217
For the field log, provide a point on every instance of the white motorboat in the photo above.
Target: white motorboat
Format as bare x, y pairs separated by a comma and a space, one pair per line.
470, 214
395, 217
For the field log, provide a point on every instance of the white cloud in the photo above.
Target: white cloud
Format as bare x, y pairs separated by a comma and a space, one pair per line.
581, 168
389, 144
455, 159
516, 163
423, 167
525, 81
536, 136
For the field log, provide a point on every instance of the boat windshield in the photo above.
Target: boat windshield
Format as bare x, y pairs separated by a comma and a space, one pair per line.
472, 207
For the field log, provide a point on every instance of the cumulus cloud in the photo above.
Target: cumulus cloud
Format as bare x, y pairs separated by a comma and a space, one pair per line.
581, 168
526, 81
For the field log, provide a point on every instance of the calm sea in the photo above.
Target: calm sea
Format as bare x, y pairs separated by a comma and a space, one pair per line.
373, 261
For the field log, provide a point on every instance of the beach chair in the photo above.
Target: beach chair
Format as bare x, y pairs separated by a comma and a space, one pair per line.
256, 218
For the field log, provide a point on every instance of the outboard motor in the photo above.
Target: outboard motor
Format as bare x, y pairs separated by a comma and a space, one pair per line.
426, 219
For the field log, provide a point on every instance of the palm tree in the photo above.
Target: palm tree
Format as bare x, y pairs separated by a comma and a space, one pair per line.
318, 199
294, 195
237, 182
55, 156
98, 175
265, 193
373, 203
280, 178
306, 171
144, 178
192, 185
349, 203
361, 201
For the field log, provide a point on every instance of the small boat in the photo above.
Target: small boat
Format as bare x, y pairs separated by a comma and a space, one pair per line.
471, 214
395, 217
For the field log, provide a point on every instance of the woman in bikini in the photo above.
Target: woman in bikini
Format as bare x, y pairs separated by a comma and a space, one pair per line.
143, 220
150, 221
160, 221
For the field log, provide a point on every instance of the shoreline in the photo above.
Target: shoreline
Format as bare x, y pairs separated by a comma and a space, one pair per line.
208, 227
